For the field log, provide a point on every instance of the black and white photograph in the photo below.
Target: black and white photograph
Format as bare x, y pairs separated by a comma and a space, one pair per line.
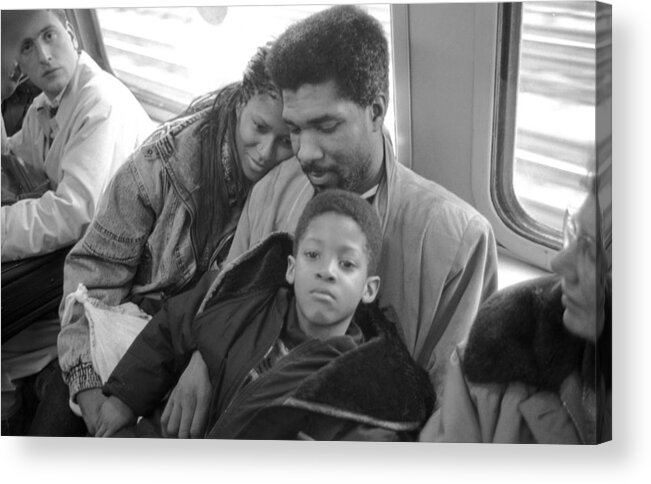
317, 235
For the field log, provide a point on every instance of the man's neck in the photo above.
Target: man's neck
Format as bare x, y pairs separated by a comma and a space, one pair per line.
376, 173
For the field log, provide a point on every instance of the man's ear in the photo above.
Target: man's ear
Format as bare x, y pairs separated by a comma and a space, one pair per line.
371, 289
378, 111
291, 269
73, 37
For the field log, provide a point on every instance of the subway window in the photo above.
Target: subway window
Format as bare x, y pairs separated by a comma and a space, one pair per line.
554, 72
169, 56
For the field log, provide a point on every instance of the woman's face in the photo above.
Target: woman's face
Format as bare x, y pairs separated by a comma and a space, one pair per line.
579, 264
262, 136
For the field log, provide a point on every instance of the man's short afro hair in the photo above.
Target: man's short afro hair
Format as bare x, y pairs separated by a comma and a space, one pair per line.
350, 205
342, 43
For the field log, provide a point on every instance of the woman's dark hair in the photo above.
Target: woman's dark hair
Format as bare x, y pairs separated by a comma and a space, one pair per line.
223, 185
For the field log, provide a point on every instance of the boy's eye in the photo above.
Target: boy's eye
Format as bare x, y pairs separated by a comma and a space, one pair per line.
311, 254
348, 264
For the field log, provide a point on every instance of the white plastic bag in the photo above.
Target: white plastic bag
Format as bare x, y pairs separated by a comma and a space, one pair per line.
112, 329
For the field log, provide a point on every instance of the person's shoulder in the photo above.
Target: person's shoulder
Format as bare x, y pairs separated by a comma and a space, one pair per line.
428, 204
32, 109
287, 170
177, 133
416, 189
99, 87
168, 137
281, 179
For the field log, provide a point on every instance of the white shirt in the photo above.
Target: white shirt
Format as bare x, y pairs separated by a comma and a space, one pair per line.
97, 126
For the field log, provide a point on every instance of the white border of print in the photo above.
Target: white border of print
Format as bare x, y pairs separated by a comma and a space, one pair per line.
624, 460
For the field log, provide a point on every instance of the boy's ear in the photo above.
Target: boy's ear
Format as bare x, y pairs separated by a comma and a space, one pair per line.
291, 267
371, 289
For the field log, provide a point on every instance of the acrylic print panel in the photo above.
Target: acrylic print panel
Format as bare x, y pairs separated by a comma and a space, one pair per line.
498, 112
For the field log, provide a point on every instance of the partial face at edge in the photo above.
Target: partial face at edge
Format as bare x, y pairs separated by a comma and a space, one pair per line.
330, 275
580, 266
262, 136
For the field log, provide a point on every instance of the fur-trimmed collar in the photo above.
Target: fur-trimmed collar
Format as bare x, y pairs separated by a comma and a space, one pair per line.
519, 335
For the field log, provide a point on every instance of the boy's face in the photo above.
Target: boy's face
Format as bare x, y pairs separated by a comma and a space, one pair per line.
330, 275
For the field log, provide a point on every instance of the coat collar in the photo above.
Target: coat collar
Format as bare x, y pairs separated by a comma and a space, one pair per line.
519, 335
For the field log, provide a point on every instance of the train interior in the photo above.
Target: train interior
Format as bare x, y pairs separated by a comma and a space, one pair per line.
496, 102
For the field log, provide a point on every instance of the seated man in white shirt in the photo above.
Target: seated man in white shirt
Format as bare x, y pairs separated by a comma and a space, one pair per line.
79, 130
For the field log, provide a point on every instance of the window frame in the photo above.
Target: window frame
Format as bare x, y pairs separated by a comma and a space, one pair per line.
493, 133
503, 194
519, 234
401, 82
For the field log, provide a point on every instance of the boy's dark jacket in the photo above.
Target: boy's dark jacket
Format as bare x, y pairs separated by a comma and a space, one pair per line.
322, 390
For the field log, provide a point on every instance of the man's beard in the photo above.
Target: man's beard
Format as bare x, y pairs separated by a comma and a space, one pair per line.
351, 182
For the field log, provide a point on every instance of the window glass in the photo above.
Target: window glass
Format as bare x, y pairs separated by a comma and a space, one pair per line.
550, 136
169, 56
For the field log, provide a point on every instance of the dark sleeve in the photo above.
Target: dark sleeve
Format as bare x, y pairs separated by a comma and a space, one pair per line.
160, 353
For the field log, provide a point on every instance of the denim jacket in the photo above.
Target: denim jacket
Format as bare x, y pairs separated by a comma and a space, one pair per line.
141, 245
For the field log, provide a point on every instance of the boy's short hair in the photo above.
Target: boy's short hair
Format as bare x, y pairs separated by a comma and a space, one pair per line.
342, 43
350, 205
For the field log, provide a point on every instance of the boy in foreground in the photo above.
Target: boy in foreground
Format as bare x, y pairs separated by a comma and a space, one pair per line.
290, 351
